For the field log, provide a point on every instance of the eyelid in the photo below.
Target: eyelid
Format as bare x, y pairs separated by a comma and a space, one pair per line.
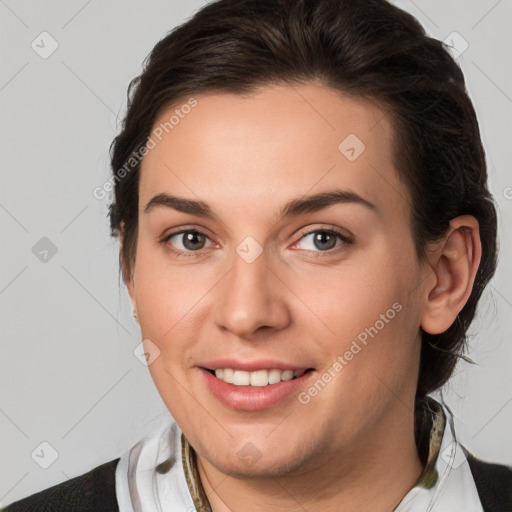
345, 234
184, 229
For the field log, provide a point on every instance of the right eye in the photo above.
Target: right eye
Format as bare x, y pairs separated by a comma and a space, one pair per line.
187, 242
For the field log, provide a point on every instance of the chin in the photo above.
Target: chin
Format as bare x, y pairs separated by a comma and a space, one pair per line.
245, 460
265, 467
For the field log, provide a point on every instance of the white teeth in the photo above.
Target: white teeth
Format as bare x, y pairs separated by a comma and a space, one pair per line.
227, 375
259, 378
241, 378
287, 375
274, 376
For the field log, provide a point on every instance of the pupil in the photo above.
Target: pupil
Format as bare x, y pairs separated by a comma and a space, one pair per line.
190, 240
321, 237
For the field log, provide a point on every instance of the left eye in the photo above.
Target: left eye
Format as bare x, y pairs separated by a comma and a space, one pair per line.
323, 240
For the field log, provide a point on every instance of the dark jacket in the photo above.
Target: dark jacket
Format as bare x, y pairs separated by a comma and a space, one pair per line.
95, 491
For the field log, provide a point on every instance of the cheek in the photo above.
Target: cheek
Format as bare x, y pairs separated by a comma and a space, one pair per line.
365, 313
346, 301
162, 316
167, 295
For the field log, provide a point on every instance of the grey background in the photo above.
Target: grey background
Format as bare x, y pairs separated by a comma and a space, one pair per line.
68, 373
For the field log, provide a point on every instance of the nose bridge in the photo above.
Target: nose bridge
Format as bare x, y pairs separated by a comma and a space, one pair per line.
251, 296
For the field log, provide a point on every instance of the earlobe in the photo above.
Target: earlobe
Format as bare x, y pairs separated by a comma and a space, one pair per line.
129, 287
455, 266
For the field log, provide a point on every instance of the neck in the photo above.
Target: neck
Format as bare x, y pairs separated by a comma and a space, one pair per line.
374, 473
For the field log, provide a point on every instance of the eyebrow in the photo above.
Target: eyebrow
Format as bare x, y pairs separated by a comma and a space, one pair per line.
295, 207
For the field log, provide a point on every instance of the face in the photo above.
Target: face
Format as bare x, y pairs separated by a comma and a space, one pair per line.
307, 305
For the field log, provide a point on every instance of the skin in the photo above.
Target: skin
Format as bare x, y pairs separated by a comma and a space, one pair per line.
351, 447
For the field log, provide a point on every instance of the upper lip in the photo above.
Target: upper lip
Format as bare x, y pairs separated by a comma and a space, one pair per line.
252, 366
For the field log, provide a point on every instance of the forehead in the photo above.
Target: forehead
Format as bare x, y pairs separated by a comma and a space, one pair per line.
239, 150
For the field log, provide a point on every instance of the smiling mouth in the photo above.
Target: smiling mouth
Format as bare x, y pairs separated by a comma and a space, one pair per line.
259, 378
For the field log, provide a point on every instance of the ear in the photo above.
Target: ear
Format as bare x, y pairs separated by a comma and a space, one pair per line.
127, 276
455, 264
129, 286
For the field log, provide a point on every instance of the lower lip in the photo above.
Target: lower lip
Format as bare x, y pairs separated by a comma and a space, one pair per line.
254, 398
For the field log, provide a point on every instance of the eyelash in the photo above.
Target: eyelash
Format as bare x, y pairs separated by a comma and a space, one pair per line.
347, 240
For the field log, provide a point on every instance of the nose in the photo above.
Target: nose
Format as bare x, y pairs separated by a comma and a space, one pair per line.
252, 298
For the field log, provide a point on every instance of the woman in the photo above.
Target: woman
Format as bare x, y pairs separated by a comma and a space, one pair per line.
298, 375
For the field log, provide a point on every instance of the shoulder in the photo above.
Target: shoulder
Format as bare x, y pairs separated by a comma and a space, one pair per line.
493, 483
92, 491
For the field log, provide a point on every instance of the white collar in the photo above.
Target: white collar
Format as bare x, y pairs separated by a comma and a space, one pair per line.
140, 487
455, 487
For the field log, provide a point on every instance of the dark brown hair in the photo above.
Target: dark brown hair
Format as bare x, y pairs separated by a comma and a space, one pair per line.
363, 48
